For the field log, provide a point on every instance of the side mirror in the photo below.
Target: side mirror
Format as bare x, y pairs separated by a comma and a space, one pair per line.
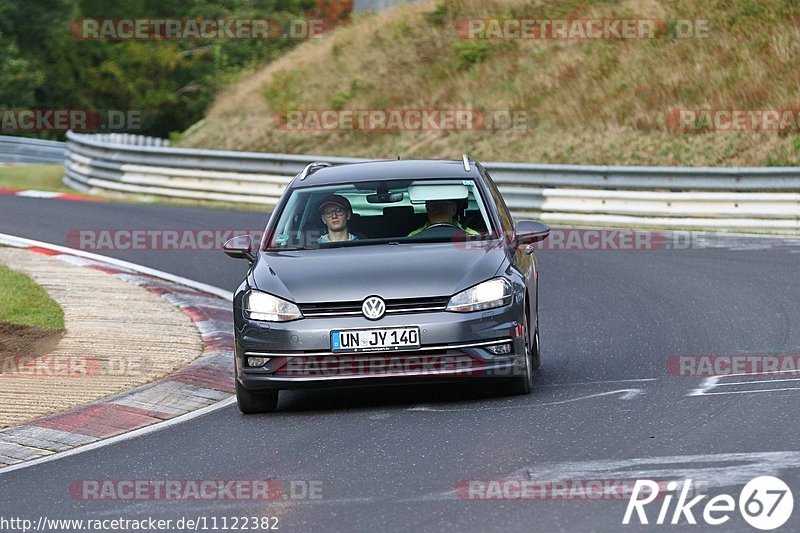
239, 247
529, 232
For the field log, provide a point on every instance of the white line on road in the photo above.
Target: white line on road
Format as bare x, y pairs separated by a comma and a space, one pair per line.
601, 382
39, 194
757, 381
710, 470
707, 471
713, 382
753, 391
626, 394
707, 384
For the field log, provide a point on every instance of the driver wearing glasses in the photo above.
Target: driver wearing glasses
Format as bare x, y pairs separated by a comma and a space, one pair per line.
442, 212
336, 212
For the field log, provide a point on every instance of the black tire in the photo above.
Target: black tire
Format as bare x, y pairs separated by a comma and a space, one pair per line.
536, 351
252, 402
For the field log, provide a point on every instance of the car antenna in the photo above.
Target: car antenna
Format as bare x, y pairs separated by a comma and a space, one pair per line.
465, 159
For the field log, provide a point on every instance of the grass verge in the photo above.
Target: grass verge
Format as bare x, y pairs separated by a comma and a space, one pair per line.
38, 177
27, 304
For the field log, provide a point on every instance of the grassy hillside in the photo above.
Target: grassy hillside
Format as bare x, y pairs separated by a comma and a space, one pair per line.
587, 102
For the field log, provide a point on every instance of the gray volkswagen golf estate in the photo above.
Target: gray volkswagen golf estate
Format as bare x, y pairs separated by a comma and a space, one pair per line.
386, 272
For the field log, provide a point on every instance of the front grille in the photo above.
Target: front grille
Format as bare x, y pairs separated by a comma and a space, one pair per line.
398, 306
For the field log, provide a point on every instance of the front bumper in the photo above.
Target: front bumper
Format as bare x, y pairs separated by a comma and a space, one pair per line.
454, 347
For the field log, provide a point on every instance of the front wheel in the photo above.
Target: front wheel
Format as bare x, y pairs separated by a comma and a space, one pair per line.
252, 402
524, 384
536, 351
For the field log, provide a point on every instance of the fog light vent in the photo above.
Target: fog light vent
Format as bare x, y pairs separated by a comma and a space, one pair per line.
257, 361
500, 349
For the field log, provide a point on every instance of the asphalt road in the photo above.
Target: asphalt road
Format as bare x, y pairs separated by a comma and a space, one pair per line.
605, 405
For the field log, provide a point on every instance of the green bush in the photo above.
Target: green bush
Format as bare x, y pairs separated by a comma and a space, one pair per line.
470, 53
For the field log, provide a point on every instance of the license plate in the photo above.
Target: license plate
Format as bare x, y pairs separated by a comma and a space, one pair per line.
375, 340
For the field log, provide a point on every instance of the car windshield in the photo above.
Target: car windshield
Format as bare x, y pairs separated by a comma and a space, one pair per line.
378, 212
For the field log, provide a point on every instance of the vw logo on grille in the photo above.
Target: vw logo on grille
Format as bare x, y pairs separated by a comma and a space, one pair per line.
373, 307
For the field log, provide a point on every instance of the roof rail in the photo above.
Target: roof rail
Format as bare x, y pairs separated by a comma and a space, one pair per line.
312, 167
465, 159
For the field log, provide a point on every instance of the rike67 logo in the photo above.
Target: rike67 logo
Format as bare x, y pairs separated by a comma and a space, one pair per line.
765, 503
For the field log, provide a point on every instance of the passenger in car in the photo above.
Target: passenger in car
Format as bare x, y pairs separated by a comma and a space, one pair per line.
336, 212
442, 212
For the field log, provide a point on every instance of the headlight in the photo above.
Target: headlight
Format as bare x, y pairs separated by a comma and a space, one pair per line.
487, 295
263, 306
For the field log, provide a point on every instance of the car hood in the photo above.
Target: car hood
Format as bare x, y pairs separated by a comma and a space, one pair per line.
390, 271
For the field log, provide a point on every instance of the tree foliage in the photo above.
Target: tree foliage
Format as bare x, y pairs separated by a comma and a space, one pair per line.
170, 82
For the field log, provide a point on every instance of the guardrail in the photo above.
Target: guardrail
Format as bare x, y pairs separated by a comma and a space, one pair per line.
744, 199
25, 150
